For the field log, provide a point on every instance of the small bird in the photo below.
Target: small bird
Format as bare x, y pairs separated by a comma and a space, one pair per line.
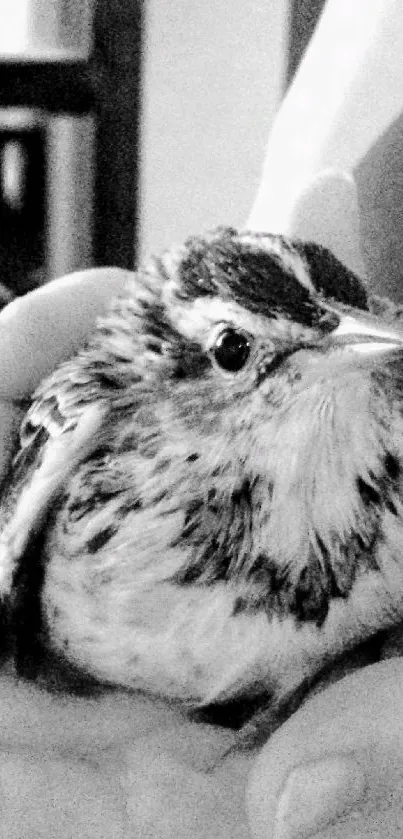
207, 501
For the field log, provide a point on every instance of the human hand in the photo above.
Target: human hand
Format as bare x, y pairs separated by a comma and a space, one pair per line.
115, 768
335, 769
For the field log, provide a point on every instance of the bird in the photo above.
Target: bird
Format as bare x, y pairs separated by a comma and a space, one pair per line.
206, 502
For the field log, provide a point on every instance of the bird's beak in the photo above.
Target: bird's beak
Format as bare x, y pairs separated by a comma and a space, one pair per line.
366, 335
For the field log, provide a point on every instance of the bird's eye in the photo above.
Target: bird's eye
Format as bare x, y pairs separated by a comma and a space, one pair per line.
232, 350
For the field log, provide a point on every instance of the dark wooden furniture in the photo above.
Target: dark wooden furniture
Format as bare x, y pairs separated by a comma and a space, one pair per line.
304, 15
106, 85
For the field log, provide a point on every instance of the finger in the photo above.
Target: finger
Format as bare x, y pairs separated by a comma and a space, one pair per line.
46, 326
161, 760
327, 212
31, 718
336, 767
58, 797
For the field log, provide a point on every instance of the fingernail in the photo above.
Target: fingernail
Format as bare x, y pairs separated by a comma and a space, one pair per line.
316, 794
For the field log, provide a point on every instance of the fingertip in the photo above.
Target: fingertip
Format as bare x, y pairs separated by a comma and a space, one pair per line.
340, 752
47, 325
327, 212
312, 796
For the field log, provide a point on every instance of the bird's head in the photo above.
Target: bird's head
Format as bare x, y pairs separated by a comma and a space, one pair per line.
280, 392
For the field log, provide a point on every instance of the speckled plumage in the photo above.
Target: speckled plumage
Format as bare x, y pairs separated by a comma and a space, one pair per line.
202, 534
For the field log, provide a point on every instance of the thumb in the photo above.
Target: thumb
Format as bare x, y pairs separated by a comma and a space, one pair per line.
327, 212
46, 326
40, 330
337, 763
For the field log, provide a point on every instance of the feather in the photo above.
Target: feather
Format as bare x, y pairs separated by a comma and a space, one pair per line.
214, 535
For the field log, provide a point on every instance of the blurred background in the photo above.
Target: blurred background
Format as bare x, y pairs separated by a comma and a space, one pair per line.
125, 126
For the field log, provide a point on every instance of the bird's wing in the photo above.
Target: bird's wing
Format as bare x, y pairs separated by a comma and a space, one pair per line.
60, 429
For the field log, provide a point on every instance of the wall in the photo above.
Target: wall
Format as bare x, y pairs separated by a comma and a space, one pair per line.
213, 75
